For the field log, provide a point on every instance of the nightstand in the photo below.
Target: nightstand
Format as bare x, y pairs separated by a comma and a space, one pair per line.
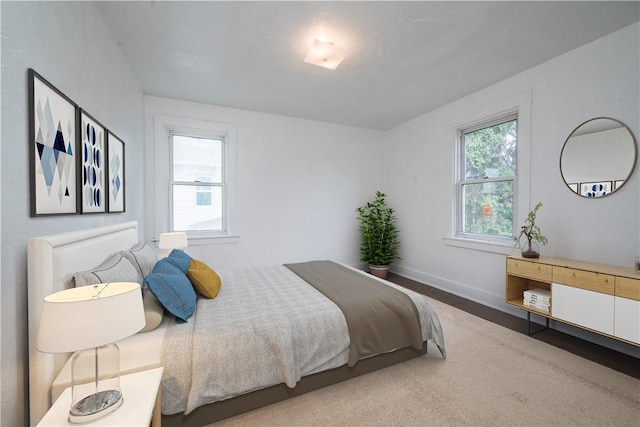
141, 406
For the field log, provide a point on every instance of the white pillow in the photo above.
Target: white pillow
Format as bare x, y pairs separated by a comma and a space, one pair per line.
115, 269
153, 312
142, 256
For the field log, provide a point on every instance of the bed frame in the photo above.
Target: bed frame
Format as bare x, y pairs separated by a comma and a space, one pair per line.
247, 402
52, 261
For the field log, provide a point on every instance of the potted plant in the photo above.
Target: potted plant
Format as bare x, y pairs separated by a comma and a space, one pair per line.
379, 232
532, 233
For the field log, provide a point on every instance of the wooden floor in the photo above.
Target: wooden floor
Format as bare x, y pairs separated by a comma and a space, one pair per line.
615, 360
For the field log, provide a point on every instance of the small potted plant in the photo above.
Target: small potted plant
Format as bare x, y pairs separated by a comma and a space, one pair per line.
532, 233
379, 232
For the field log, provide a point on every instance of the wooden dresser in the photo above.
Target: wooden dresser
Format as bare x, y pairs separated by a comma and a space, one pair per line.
597, 297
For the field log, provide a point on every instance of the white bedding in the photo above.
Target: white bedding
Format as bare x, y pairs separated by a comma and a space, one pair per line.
267, 326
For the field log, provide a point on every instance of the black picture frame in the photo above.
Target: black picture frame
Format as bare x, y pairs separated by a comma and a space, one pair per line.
53, 166
116, 191
93, 174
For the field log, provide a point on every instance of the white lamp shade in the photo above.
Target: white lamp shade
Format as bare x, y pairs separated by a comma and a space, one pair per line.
173, 240
90, 316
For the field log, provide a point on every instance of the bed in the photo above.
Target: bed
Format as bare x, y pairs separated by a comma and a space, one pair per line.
306, 357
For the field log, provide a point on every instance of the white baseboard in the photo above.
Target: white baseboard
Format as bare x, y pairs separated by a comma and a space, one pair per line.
460, 289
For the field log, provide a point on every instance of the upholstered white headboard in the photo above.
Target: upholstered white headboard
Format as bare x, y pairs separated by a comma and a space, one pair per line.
52, 261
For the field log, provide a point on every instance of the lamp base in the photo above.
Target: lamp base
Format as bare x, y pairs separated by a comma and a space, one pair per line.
95, 406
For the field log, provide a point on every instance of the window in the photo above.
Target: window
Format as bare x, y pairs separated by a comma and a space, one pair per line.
486, 182
191, 175
197, 184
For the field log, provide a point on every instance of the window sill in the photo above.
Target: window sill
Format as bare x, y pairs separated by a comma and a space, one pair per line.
212, 240
208, 240
481, 245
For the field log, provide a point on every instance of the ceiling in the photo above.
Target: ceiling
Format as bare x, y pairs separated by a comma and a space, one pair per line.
403, 58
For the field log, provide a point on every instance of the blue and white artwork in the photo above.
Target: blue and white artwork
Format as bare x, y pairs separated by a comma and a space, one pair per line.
93, 167
595, 189
115, 175
53, 150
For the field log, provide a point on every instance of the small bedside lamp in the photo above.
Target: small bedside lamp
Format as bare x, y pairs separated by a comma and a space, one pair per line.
88, 320
173, 240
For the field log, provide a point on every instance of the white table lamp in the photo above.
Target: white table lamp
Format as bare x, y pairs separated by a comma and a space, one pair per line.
88, 320
172, 240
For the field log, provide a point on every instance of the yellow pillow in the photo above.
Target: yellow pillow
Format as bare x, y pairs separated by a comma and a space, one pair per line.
205, 281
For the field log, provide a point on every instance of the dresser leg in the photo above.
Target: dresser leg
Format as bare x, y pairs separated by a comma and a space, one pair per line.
529, 332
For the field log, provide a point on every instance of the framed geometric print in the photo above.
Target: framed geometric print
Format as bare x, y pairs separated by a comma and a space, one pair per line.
93, 168
115, 174
52, 149
595, 189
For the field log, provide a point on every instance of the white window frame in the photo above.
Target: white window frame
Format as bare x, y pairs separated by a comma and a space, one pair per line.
164, 127
520, 105
461, 181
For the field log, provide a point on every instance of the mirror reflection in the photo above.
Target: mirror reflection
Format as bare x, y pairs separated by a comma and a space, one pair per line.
598, 157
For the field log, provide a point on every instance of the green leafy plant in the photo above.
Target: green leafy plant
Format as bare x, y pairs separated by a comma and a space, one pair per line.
379, 232
530, 230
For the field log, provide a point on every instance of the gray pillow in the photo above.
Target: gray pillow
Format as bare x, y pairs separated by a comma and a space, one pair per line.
142, 256
115, 269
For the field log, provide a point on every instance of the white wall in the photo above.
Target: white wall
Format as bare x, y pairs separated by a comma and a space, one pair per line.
599, 79
298, 184
1, 365
69, 45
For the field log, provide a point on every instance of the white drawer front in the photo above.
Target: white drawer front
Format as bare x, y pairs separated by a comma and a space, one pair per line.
585, 308
627, 319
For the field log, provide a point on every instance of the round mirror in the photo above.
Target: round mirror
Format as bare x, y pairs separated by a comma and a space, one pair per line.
598, 157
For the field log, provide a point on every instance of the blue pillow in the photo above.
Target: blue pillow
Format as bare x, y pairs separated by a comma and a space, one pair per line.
174, 291
169, 266
181, 259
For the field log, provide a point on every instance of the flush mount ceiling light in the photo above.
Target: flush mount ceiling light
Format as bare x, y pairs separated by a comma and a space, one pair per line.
325, 54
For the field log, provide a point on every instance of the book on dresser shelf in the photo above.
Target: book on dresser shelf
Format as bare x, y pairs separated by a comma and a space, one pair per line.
537, 298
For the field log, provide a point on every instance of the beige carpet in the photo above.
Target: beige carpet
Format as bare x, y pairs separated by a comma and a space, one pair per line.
492, 376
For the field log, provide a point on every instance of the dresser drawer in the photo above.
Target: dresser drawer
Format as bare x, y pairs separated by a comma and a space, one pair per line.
588, 309
588, 280
628, 288
530, 270
627, 319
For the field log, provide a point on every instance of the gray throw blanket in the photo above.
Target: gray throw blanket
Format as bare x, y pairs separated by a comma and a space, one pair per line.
379, 317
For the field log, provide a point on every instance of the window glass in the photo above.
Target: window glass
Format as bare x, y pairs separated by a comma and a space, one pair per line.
189, 216
488, 208
195, 157
490, 151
